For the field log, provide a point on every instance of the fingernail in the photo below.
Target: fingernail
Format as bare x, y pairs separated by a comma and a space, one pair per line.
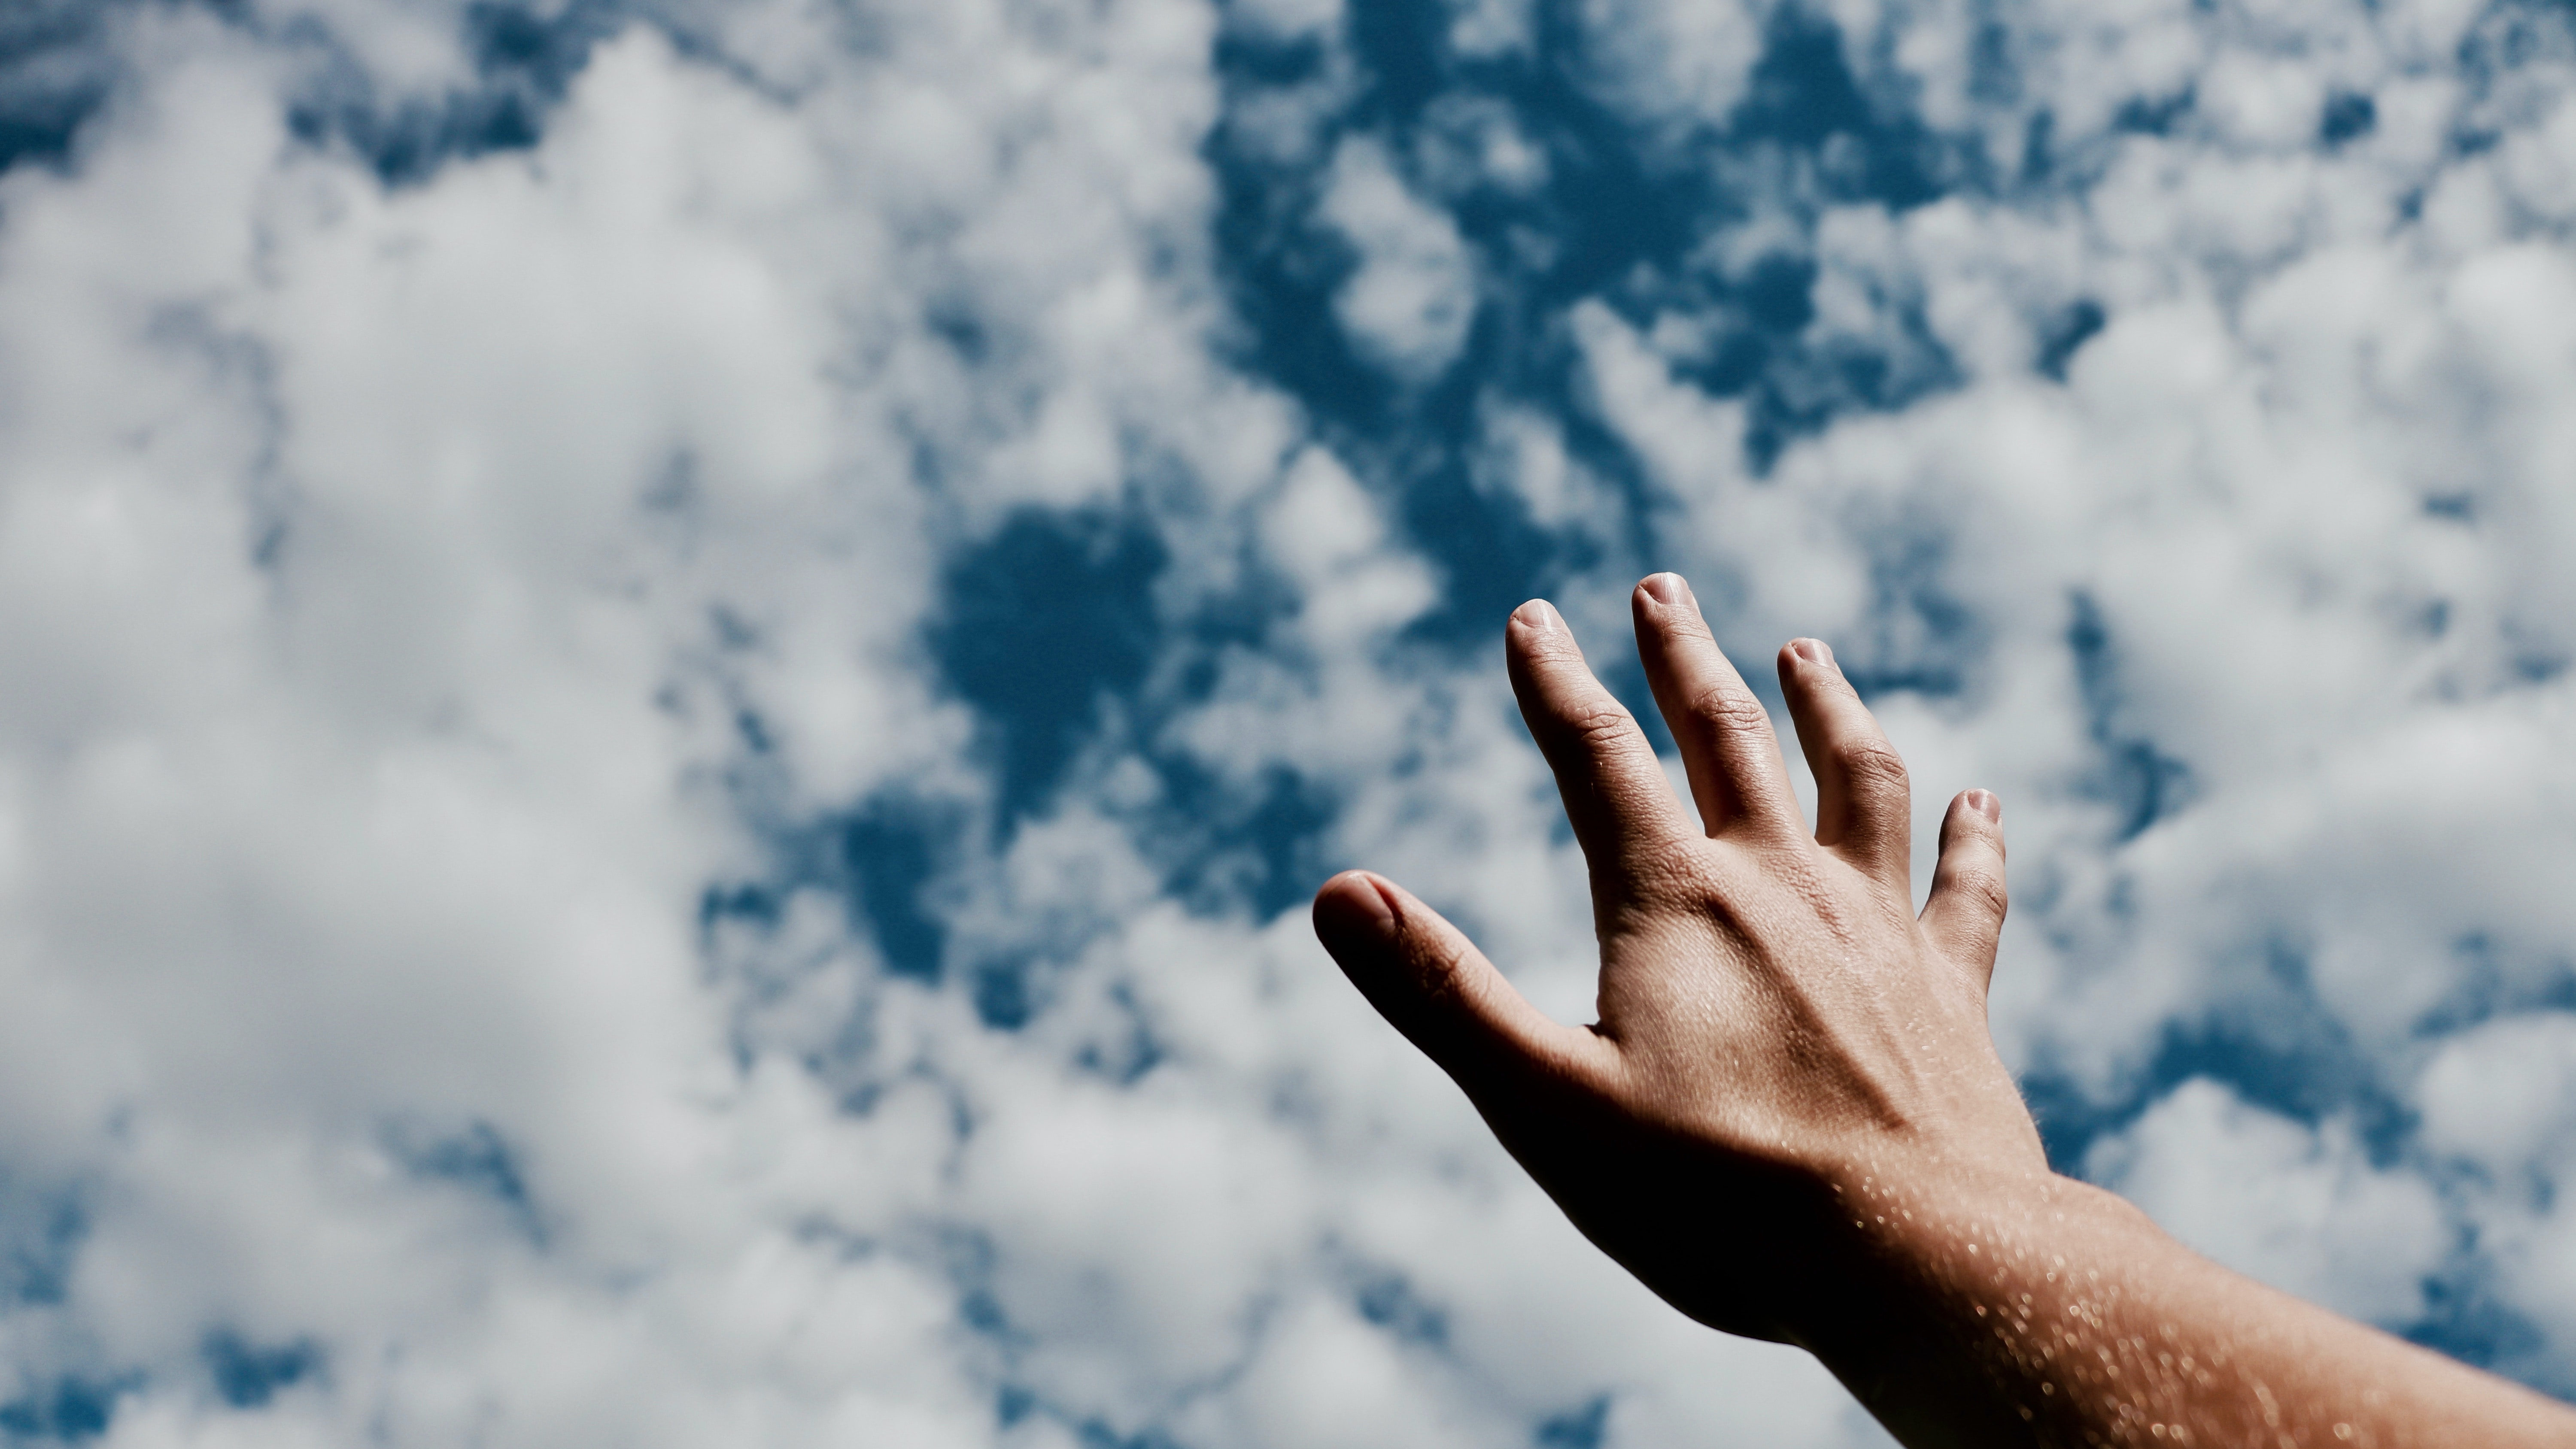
1352, 902
1668, 590
1985, 803
1813, 651
1535, 615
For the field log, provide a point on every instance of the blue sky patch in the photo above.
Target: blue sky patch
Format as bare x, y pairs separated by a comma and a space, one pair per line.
1587, 1427
247, 1375
41, 1229
1039, 625
52, 78
523, 59
71, 1410
477, 1159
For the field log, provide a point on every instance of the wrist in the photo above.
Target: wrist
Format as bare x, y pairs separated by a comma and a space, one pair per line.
1927, 1249
1964, 1273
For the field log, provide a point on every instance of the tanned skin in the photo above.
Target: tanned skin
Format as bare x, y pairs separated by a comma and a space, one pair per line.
1790, 1120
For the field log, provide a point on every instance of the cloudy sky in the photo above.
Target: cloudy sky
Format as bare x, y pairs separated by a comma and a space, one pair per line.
672, 673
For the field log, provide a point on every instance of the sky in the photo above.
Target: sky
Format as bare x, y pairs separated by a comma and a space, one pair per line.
675, 671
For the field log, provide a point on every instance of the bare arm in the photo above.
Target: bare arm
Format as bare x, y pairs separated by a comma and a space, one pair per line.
1790, 1120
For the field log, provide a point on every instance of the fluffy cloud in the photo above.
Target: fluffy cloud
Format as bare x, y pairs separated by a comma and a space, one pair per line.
2301, 1208
1408, 303
674, 670
2495, 1103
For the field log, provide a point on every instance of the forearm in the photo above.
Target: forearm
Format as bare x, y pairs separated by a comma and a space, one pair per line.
2056, 1314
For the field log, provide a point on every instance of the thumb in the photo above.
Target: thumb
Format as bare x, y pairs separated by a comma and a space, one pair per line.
1432, 984
1965, 914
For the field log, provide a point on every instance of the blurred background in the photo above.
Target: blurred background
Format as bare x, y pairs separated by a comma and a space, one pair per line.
672, 673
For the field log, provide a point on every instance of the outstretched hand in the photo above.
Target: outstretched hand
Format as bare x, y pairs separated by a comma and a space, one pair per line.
1780, 1034
1790, 1121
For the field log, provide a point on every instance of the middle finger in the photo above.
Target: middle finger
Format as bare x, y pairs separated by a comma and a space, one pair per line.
1737, 773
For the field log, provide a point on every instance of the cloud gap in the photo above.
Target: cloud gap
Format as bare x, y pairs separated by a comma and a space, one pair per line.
2141, 783
70, 1410
1037, 625
248, 1375
42, 1227
54, 76
477, 1160
522, 60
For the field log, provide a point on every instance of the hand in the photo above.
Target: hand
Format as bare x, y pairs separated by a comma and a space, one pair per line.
1781, 1038
1790, 1120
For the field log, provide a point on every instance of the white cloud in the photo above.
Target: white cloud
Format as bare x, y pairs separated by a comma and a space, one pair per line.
2497, 1099
414, 51
2300, 1208
1487, 28
1408, 306
1523, 456
1286, 19
1678, 66
1471, 141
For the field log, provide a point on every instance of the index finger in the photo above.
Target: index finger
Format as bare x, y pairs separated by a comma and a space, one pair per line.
1616, 794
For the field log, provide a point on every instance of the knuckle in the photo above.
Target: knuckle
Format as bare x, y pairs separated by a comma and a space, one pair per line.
1966, 831
1442, 969
1442, 973
1872, 766
1981, 886
1729, 707
1598, 723
1662, 876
